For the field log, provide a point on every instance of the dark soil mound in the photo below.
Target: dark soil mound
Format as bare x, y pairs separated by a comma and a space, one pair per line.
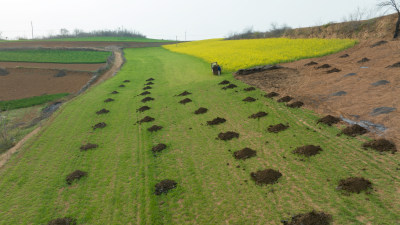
350, 74
146, 119
186, 100
311, 218
245, 153
224, 82
363, 60
297, 104
145, 93
201, 110
257, 69
396, 65
381, 145
76, 175
277, 128
3, 72
325, 66
147, 88
143, 108
154, 128
268, 176
126, 81
184, 93
114, 92
159, 148
258, 115
249, 99
63, 221
164, 186
150, 79
102, 111
354, 184
60, 73
231, 86
344, 56
339, 93
147, 99
216, 121
149, 83
329, 120
109, 100
271, 95
88, 146
382, 110
250, 89
334, 70
381, 82
354, 130
312, 63
228, 135
308, 150
99, 125
121, 85
379, 43
285, 99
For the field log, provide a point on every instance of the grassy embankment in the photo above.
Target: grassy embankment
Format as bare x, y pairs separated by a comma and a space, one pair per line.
119, 39
28, 102
211, 189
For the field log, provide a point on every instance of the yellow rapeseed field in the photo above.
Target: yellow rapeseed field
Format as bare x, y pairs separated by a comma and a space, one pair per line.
238, 54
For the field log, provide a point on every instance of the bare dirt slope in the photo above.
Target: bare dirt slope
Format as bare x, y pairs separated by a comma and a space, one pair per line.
356, 92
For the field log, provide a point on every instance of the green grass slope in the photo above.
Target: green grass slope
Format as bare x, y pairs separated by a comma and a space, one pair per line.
122, 172
28, 102
53, 56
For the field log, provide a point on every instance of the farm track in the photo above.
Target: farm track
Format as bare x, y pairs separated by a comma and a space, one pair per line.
211, 188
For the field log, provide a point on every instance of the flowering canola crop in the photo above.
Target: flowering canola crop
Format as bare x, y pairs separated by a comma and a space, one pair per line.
239, 54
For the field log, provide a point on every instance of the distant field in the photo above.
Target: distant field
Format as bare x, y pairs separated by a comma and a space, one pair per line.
239, 54
28, 102
54, 56
121, 39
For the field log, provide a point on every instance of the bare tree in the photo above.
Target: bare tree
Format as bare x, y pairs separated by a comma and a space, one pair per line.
393, 4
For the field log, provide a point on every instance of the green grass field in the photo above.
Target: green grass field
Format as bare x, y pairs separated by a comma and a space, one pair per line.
28, 102
122, 172
53, 56
122, 39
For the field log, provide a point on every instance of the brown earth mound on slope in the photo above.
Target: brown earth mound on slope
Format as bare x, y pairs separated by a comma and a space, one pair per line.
230, 86
224, 82
184, 93
150, 79
249, 99
147, 99
271, 95
154, 128
354, 184
381, 145
145, 93
297, 104
99, 125
158, 148
228, 135
250, 89
88, 146
164, 186
354, 130
216, 121
277, 128
109, 100
63, 221
258, 115
329, 120
245, 153
146, 119
268, 176
143, 108
308, 150
201, 110
285, 99
311, 218
102, 111
76, 175
186, 100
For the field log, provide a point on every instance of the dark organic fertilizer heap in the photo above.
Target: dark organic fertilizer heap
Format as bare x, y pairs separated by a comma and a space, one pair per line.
216, 121
146, 119
381, 145
147, 99
164, 186
354, 130
150, 79
147, 88
114, 92
379, 43
277, 128
149, 83
250, 89
354, 184
325, 66
344, 56
271, 95
63, 221
285, 99
99, 125
127, 81
184, 93
329, 120
245, 153
145, 93
230, 86
334, 70
311, 63
363, 60
186, 100
297, 104
154, 128
109, 100
88, 146
158, 148
224, 82
268, 176
228, 135
102, 111
249, 99
143, 108
3, 72
76, 175
396, 65
121, 85
308, 150
258, 115
201, 110
311, 218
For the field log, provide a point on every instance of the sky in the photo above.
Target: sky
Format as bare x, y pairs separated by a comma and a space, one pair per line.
182, 19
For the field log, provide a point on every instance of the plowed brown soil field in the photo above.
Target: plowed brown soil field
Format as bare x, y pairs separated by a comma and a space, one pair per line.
80, 67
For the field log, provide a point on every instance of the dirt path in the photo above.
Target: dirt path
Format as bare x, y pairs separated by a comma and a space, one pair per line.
118, 62
7, 155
